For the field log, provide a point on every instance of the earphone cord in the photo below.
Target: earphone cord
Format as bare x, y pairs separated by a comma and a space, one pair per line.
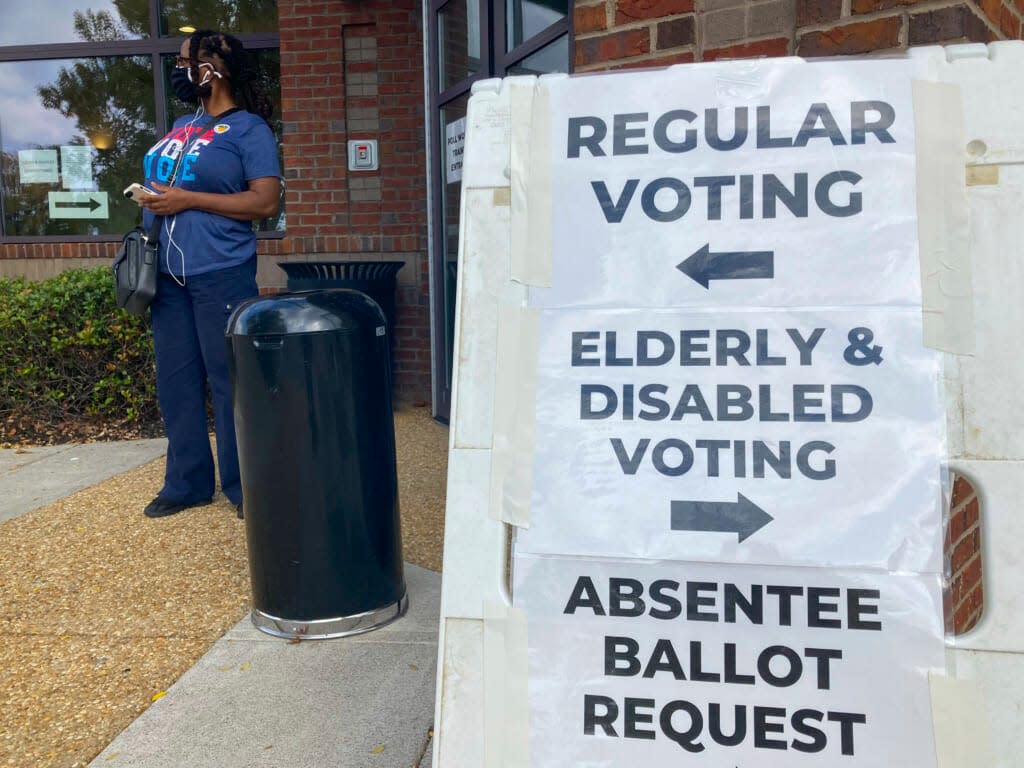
169, 228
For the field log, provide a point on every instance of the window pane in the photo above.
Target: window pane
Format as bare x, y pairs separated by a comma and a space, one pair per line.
72, 21
526, 18
553, 57
235, 16
264, 66
72, 137
458, 42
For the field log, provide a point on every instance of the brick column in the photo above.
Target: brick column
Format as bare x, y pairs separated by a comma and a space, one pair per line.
353, 69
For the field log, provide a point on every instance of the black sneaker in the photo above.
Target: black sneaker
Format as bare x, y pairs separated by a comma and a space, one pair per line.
238, 511
163, 507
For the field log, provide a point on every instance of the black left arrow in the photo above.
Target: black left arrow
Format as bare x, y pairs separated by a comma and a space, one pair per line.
704, 265
742, 517
92, 204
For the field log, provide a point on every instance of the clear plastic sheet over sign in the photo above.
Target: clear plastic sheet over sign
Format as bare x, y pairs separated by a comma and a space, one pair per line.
828, 422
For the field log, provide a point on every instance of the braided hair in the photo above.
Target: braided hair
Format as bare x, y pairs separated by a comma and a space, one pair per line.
230, 51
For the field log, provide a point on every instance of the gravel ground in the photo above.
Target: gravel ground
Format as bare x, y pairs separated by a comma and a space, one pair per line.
101, 609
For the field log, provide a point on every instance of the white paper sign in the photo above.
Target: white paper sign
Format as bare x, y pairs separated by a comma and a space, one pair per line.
454, 147
811, 438
37, 166
731, 382
668, 664
774, 182
76, 167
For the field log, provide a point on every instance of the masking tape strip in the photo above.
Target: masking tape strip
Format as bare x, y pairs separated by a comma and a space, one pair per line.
531, 183
514, 415
947, 299
506, 692
958, 716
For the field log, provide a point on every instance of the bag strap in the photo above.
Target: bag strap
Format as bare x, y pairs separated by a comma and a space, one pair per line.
153, 233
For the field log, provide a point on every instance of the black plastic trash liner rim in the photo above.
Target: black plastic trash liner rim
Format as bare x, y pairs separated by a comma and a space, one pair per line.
321, 271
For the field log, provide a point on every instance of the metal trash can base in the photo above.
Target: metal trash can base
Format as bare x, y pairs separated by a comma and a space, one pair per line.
325, 629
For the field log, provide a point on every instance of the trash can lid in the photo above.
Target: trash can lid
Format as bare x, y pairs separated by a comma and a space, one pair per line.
333, 309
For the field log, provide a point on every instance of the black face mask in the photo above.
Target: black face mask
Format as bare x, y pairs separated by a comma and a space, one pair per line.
182, 86
187, 89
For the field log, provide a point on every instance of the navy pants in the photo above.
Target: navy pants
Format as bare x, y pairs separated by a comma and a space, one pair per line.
188, 336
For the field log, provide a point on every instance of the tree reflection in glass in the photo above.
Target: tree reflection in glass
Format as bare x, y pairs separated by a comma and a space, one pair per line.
22, 20
106, 106
239, 17
109, 109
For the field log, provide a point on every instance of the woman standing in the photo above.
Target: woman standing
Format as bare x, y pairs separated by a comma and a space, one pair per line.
214, 174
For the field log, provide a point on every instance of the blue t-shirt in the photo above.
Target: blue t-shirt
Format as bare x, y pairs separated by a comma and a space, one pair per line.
221, 157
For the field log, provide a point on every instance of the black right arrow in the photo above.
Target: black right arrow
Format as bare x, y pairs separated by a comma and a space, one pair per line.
705, 266
742, 517
92, 204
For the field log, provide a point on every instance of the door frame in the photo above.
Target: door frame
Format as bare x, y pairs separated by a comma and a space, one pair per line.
495, 61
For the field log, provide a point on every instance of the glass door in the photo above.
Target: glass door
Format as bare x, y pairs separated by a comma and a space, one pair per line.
470, 40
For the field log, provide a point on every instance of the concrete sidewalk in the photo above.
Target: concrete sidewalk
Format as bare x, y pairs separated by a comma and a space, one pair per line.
255, 700
34, 477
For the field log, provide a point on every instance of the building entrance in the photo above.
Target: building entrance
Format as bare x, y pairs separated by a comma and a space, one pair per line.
470, 40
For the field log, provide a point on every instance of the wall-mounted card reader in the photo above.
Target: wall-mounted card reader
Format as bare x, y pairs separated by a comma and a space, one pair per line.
362, 155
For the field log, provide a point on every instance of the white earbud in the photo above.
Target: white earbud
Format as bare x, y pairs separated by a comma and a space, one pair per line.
207, 73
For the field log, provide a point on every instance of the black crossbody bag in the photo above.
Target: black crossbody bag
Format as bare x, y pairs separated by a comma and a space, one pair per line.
135, 266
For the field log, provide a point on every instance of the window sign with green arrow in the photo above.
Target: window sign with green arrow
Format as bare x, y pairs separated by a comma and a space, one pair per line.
78, 205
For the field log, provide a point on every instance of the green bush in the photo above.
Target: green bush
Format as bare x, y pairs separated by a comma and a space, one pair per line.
69, 356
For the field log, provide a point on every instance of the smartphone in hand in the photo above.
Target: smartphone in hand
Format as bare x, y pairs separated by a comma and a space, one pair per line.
137, 192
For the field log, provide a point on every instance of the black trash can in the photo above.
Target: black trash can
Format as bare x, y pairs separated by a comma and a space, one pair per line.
316, 446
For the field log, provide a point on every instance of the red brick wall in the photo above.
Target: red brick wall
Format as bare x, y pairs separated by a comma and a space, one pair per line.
353, 69
37, 261
612, 34
963, 547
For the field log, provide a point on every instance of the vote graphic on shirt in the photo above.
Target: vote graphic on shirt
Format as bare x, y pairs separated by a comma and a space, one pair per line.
222, 157
163, 157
